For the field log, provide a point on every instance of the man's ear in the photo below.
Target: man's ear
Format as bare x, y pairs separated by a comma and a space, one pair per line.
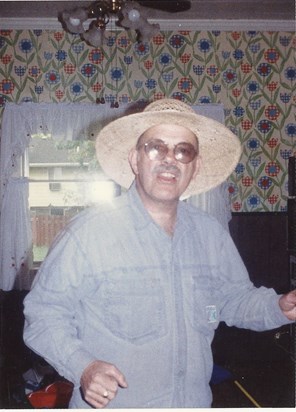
133, 160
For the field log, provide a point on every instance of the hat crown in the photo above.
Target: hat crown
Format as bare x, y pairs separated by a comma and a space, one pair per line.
169, 105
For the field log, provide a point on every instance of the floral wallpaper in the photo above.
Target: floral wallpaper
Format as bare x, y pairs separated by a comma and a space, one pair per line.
252, 74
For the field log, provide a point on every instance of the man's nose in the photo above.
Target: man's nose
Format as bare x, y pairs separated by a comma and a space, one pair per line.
170, 156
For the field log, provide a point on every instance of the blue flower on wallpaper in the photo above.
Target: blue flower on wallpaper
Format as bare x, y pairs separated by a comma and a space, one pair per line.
165, 59
37, 32
167, 77
128, 59
229, 76
204, 99
198, 70
150, 83
124, 98
216, 33
204, 45
26, 45
285, 41
76, 88
290, 73
264, 182
285, 97
176, 41
61, 55
88, 70
255, 161
252, 87
116, 73
264, 69
38, 89
52, 77
238, 111
78, 48
251, 33
253, 144
47, 56
238, 54
111, 41
253, 201
20, 70
138, 84
264, 126
254, 47
2, 42
286, 153
225, 55
240, 168
290, 129
255, 104
216, 88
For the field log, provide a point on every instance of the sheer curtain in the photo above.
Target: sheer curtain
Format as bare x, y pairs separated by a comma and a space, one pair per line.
15, 236
216, 201
20, 123
62, 121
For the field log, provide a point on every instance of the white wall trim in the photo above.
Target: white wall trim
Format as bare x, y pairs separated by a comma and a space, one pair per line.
196, 25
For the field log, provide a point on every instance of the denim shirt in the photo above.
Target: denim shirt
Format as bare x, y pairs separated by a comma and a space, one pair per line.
116, 287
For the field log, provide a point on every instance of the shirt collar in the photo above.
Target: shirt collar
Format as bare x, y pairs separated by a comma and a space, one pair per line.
142, 218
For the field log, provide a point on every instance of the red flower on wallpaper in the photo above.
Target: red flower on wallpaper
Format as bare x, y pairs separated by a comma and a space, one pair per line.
247, 181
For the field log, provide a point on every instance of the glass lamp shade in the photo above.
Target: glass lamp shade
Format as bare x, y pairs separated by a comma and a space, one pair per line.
94, 36
73, 20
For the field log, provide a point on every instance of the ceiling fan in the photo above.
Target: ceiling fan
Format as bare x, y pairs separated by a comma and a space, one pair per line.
130, 14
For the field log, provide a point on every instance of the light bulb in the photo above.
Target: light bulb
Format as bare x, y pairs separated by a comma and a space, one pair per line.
133, 15
74, 22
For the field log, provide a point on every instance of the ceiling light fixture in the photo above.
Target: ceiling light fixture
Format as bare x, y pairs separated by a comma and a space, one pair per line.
129, 13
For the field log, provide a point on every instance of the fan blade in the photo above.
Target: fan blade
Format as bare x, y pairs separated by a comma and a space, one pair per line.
171, 6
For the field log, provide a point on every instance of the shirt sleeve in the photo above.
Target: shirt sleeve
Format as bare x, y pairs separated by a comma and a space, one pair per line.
50, 323
244, 305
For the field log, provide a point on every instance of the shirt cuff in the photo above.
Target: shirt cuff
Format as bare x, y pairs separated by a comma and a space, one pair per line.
77, 363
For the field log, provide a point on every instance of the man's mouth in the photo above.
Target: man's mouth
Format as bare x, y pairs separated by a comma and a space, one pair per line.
167, 174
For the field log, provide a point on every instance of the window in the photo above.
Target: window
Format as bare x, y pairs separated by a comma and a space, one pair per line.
64, 178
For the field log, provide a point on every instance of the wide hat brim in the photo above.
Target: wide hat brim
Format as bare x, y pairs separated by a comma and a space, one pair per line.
219, 148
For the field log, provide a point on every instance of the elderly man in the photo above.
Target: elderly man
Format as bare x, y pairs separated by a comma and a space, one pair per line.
127, 302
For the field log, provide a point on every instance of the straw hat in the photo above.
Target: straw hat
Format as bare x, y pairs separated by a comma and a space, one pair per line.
219, 148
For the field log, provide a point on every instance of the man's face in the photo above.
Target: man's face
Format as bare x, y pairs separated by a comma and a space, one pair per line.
163, 180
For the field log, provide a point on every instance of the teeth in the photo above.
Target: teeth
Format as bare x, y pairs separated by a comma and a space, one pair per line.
166, 174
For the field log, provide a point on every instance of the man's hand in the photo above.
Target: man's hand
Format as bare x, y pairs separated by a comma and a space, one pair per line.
100, 382
287, 304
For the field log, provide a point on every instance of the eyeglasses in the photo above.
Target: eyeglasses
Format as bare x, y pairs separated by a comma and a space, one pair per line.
157, 150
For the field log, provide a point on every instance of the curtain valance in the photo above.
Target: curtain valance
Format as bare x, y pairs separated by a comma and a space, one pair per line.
62, 121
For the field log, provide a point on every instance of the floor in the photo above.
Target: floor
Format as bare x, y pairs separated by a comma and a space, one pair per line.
255, 369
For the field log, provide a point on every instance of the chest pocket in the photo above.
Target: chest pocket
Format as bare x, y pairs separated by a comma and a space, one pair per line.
205, 300
134, 307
